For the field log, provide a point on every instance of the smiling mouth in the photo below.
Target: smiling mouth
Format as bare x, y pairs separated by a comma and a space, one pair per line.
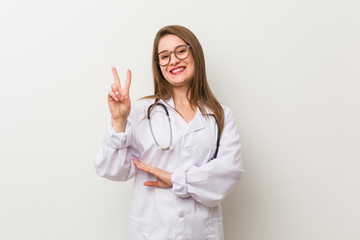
177, 70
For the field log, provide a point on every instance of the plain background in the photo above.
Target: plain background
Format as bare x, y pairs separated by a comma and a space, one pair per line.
288, 69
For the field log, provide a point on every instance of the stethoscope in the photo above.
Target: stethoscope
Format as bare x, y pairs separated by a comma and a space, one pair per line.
170, 146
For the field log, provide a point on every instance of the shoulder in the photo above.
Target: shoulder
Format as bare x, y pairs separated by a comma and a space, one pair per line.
139, 109
227, 111
142, 104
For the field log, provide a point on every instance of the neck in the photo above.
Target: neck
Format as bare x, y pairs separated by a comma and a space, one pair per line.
180, 96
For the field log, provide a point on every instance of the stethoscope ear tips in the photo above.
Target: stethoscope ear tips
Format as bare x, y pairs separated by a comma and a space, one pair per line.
171, 147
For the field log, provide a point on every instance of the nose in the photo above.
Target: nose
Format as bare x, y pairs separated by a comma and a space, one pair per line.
173, 59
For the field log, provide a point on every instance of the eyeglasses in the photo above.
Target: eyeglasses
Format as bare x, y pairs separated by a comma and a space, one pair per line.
180, 52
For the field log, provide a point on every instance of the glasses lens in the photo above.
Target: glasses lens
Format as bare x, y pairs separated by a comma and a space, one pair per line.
163, 58
182, 52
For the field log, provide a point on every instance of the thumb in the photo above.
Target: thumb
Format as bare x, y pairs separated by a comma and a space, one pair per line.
151, 184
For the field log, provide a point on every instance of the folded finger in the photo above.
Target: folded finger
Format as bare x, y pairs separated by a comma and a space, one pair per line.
115, 89
111, 94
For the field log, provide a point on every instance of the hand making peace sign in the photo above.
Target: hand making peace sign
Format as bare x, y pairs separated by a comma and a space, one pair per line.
119, 100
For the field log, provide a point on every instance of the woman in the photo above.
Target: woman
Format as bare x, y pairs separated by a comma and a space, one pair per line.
169, 143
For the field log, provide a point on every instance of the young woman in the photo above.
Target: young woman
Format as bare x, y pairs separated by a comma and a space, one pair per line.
180, 144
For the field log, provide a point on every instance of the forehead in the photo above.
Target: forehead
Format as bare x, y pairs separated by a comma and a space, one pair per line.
169, 42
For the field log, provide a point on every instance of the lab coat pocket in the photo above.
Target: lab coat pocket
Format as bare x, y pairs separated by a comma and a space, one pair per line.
139, 228
216, 230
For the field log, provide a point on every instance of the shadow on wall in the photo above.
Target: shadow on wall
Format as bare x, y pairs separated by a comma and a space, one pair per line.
235, 212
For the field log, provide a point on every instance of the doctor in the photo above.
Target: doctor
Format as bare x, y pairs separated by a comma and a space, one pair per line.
180, 144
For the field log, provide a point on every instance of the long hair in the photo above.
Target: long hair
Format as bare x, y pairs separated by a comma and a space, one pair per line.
199, 92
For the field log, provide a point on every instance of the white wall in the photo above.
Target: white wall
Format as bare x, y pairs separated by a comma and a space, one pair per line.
289, 69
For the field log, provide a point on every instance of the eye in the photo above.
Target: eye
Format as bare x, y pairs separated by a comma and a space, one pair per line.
163, 57
182, 50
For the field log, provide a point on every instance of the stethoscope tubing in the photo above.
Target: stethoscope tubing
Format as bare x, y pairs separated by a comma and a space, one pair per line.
217, 139
169, 147
152, 133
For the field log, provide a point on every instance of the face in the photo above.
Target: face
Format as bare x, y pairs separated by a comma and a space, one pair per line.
179, 73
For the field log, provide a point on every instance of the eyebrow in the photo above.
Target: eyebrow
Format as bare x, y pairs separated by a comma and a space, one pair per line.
163, 51
170, 51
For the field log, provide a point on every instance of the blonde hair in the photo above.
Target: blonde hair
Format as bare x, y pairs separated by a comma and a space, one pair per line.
199, 92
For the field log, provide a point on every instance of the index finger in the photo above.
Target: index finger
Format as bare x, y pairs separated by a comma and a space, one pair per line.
116, 77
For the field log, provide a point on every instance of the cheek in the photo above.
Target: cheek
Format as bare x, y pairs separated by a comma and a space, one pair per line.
191, 64
165, 74
192, 69
163, 71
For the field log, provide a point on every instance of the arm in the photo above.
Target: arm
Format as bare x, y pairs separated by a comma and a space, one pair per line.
114, 159
213, 181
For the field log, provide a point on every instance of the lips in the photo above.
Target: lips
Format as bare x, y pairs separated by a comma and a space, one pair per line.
177, 70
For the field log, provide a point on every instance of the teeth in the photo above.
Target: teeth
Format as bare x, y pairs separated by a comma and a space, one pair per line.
177, 70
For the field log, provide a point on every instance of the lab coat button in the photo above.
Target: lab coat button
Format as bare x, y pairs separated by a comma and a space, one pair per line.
181, 214
189, 150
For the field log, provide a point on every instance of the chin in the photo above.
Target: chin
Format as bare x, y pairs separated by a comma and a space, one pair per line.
179, 82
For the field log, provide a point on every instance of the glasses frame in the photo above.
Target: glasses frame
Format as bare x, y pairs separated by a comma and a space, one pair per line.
157, 56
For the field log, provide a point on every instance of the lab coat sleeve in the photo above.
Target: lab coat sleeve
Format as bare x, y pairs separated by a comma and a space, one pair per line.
214, 180
114, 160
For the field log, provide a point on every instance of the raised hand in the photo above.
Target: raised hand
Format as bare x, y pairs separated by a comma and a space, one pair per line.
119, 101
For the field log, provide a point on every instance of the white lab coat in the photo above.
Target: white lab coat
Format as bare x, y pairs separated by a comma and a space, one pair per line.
191, 208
